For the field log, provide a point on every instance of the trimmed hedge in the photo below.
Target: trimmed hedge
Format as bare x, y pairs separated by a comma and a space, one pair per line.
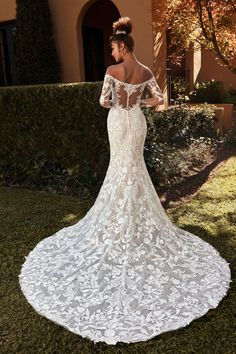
55, 136
47, 131
177, 140
178, 125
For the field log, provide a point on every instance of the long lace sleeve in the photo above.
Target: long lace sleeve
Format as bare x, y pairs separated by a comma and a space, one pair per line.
155, 90
104, 99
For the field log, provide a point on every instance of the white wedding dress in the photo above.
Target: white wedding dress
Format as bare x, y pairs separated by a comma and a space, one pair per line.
124, 272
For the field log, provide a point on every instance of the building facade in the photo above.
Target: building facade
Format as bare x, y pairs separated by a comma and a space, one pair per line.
82, 29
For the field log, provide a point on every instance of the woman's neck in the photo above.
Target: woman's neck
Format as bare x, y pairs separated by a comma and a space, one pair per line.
129, 58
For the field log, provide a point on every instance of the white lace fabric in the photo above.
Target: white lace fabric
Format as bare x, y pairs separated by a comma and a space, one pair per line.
126, 95
124, 272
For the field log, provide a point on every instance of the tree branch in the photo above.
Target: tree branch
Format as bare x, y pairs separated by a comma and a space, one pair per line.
200, 15
213, 35
233, 4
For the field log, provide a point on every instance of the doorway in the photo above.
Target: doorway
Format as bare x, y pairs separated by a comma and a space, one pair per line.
96, 30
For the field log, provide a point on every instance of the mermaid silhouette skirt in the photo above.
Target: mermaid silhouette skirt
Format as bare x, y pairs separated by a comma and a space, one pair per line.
124, 272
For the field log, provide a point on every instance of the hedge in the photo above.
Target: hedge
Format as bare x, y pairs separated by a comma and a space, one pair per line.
56, 135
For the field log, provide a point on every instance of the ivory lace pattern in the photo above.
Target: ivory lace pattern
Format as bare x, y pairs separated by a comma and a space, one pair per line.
124, 272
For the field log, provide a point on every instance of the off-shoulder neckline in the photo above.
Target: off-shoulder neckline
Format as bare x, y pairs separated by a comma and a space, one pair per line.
127, 83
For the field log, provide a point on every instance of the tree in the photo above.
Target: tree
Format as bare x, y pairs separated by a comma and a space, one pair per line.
206, 23
36, 55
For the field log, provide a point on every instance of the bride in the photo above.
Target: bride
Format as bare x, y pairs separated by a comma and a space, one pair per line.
124, 272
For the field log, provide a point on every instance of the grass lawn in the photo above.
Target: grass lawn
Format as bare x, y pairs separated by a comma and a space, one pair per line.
28, 216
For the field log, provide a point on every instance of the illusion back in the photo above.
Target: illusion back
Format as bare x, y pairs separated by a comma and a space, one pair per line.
116, 93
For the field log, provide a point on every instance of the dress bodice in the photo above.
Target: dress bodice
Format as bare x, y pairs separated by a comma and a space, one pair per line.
116, 93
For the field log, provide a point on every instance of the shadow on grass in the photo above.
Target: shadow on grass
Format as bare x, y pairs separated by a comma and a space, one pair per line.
191, 184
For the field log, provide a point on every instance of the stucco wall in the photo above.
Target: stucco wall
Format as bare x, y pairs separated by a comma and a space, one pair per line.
193, 63
65, 17
210, 69
159, 46
7, 10
140, 12
150, 44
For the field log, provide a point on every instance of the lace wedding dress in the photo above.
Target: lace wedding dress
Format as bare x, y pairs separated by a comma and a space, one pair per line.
124, 272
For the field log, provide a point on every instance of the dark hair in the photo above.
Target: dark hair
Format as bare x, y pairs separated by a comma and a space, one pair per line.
123, 24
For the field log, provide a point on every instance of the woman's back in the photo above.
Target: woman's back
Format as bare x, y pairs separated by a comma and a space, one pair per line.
132, 73
126, 84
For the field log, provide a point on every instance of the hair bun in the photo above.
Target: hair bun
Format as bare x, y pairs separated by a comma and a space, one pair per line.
123, 24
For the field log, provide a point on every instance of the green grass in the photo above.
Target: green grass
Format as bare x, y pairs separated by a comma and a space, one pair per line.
28, 216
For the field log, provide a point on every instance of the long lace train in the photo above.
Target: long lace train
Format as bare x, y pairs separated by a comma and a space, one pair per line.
124, 272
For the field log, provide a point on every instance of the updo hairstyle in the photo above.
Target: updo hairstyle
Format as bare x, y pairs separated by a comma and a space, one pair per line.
123, 24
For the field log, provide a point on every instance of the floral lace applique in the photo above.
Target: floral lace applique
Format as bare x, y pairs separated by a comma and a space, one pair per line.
124, 272
116, 93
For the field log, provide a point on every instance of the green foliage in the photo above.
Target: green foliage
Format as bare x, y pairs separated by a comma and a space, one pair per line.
53, 135
179, 90
177, 138
36, 56
231, 96
209, 91
177, 126
179, 85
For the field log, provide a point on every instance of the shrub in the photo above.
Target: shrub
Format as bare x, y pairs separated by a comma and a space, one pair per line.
176, 126
53, 134
209, 91
232, 96
176, 141
168, 164
55, 137
179, 90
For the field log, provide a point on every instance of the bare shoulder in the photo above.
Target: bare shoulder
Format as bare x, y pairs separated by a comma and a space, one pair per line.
147, 73
120, 72
111, 70
116, 70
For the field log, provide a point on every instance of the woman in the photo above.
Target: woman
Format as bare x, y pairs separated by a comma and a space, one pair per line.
124, 273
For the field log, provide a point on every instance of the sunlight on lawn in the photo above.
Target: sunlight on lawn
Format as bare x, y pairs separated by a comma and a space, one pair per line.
69, 217
214, 207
